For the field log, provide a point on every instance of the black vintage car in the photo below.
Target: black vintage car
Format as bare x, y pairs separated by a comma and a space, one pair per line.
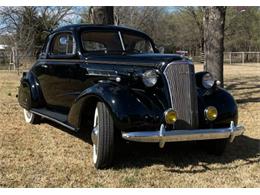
112, 82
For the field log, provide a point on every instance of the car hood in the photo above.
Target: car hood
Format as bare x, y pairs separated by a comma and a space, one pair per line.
154, 60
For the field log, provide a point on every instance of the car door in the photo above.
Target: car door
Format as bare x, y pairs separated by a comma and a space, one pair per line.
57, 70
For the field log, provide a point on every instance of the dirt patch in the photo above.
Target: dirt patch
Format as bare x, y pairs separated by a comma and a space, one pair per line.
46, 156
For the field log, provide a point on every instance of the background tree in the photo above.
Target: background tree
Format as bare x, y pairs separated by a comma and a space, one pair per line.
214, 23
25, 28
102, 15
175, 28
187, 29
154, 21
196, 13
242, 30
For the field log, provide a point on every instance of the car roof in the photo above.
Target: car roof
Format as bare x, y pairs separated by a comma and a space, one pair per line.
77, 27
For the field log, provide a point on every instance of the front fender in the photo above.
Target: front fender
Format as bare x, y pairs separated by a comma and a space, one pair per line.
131, 109
225, 104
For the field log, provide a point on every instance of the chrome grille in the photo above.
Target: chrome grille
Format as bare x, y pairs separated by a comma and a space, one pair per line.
182, 89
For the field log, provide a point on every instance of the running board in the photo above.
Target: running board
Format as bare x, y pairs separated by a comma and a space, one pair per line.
54, 116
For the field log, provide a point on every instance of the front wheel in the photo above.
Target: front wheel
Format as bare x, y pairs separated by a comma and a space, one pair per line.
102, 137
31, 117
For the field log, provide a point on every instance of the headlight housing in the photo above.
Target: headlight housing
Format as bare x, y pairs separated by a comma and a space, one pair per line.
150, 78
207, 80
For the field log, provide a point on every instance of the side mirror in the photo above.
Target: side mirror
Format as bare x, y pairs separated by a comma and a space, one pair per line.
161, 49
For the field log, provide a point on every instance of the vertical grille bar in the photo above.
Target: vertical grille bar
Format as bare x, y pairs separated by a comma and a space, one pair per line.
182, 88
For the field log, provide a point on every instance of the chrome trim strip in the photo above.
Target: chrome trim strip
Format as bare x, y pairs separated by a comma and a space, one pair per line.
162, 136
121, 40
61, 60
104, 62
54, 120
167, 80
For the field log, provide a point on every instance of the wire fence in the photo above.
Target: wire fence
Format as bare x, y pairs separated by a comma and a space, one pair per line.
233, 58
16, 59
25, 62
242, 57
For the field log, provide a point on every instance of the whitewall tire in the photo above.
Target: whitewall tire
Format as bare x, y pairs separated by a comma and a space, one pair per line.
102, 137
31, 117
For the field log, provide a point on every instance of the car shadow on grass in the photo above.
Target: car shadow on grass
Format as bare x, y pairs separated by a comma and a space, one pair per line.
177, 157
249, 84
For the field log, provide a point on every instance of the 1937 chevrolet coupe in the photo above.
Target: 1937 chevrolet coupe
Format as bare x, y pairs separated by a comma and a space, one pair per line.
112, 82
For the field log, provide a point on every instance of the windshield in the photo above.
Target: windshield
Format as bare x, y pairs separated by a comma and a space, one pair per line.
100, 41
136, 44
107, 42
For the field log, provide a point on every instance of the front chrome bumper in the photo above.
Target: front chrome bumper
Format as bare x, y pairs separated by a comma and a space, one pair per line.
162, 136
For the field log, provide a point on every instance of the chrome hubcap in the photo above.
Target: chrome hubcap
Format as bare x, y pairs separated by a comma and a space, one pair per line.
94, 136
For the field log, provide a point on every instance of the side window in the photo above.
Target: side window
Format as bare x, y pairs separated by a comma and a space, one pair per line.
63, 44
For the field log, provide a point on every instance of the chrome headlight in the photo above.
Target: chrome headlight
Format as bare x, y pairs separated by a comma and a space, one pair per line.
149, 78
208, 81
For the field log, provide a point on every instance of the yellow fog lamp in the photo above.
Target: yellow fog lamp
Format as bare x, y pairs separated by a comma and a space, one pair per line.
211, 113
170, 116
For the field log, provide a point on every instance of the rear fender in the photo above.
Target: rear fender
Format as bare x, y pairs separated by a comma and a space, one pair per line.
30, 95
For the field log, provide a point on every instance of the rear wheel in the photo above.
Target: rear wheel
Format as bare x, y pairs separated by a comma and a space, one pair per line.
102, 136
31, 117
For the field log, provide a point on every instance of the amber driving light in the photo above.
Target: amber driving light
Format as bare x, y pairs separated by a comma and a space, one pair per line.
211, 113
170, 116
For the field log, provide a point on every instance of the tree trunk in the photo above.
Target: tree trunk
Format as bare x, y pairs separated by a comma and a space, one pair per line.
214, 22
102, 15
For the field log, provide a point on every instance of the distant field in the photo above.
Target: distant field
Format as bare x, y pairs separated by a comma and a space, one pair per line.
45, 156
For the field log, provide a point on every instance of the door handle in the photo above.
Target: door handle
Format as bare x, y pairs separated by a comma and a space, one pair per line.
44, 66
